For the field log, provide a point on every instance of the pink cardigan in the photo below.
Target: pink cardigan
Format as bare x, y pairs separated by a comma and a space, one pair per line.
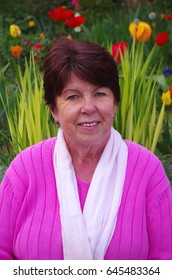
30, 225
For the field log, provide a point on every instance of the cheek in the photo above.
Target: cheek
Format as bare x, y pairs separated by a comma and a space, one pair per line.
109, 111
68, 116
62, 111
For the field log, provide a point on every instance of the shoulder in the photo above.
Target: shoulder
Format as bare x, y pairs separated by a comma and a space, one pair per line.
147, 168
45, 146
141, 155
43, 149
31, 160
29, 169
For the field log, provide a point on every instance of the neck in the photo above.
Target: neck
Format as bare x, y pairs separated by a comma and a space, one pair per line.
85, 161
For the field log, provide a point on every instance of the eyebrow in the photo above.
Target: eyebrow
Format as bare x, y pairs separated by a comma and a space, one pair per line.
77, 90
70, 89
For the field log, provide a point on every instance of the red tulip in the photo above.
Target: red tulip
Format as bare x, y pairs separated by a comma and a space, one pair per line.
161, 38
37, 46
168, 16
75, 21
117, 49
67, 14
60, 14
170, 89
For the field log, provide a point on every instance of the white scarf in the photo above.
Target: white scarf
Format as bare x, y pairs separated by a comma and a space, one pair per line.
86, 235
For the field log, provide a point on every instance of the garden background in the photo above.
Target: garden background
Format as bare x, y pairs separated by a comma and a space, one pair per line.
137, 33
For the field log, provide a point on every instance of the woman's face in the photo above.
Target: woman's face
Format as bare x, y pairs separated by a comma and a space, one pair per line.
85, 113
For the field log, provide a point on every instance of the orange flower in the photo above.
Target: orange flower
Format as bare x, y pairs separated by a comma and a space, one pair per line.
41, 35
141, 31
31, 23
16, 51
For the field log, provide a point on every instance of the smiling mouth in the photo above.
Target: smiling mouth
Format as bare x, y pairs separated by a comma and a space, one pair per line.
91, 124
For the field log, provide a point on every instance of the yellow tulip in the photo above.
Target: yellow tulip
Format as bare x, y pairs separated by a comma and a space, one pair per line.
166, 98
31, 23
141, 31
15, 30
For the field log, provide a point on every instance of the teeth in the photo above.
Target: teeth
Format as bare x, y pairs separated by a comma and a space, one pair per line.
89, 124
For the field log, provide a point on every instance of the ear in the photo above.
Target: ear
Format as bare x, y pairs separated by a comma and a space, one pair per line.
54, 114
115, 108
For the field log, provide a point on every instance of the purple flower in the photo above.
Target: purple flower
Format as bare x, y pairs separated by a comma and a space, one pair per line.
167, 71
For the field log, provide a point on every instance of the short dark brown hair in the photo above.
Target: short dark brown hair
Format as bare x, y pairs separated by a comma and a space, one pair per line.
87, 60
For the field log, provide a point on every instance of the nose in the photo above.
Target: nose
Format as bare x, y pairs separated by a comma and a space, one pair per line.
88, 106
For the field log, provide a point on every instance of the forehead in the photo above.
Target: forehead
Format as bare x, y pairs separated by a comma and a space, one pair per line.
74, 82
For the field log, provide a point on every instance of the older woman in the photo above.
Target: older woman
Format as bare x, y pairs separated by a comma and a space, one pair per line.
86, 194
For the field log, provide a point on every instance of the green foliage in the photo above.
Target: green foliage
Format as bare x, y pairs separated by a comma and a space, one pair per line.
3, 93
166, 160
137, 118
165, 141
29, 120
6, 151
105, 31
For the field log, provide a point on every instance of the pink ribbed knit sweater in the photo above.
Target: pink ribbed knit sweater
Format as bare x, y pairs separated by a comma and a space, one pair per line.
30, 225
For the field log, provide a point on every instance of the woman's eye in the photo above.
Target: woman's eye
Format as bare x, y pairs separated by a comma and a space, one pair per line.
100, 93
72, 97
